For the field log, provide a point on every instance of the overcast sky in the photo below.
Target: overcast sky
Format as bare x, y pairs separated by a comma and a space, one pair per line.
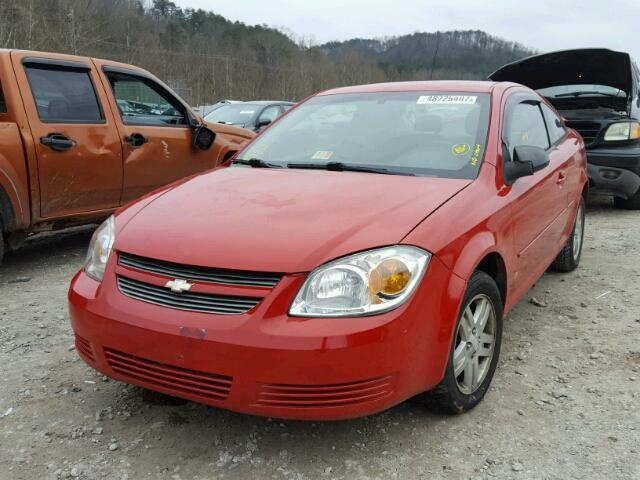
543, 25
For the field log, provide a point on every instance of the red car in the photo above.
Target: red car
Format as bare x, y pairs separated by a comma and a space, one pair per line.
362, 250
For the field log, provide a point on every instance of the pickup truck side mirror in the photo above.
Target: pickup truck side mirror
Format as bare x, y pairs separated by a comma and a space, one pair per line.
527, 160
203, 137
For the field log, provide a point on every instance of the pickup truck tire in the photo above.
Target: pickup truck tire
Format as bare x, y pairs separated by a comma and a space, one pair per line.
2, 245
631, 203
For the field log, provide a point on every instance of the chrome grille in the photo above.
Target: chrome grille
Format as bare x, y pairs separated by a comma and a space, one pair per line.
588, 130
201, 274
194, 302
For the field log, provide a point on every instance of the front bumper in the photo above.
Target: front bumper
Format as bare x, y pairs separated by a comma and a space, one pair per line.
264, 362
614, 171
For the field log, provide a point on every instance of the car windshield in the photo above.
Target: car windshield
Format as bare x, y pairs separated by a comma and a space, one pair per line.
235, 114
581, 90
440, 134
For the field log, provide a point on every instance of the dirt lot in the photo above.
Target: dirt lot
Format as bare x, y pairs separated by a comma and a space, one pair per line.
564, 402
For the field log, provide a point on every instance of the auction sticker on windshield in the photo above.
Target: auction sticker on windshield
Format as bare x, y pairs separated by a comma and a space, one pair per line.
322, 155
447, 100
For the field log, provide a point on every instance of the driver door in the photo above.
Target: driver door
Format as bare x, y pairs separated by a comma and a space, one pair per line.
539, 202
157, 141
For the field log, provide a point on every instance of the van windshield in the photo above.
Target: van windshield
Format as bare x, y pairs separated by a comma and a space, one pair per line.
440, 134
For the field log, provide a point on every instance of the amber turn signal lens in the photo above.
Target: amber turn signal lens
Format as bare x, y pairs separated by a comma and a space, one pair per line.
389, 278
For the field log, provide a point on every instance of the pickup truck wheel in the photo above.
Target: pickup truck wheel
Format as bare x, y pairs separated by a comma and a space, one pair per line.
474, 351
569, 257
631, 203
2, 247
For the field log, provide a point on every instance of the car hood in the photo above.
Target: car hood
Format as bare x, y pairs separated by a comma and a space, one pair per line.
280, 220
598, 66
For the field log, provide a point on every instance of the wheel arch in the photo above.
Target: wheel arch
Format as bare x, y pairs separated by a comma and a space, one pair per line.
482, 253
7, 216
493, 265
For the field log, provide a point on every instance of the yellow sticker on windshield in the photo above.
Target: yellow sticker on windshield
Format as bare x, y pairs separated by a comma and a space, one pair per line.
460, 149
475, 157
322, 155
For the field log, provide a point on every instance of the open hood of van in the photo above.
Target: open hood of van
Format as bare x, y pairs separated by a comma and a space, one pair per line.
597, 66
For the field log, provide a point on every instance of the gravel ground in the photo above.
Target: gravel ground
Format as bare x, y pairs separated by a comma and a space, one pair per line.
563, 405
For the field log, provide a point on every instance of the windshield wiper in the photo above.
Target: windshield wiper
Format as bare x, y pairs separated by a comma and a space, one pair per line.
255, 163
345, 167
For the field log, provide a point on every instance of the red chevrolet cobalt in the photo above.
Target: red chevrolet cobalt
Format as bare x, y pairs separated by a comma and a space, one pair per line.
362, 250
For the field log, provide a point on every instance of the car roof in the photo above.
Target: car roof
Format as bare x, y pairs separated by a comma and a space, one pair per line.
419, 86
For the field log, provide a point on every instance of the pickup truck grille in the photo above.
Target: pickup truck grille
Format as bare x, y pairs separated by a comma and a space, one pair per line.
588, 130
201, 274
190, 301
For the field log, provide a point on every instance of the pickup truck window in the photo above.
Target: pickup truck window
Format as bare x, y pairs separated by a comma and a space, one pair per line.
143, 102
3, 106
64, 96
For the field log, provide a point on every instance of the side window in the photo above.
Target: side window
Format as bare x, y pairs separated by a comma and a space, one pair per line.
3, 105
269, 114
64, 95
143, 102
554, 124
525, 126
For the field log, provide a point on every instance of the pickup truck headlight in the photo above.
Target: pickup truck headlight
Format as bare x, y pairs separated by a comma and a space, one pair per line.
622, 131
366, 283
100, 249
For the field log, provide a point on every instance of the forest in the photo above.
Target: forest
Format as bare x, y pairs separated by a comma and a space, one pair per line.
206, 57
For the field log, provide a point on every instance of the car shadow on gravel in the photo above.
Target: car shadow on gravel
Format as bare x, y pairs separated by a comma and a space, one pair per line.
46, 249
227, 438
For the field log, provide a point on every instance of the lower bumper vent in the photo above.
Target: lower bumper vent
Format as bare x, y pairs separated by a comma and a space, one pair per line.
84, 348
322, 396
181, 380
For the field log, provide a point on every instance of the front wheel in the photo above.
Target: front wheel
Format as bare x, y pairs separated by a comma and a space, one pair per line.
475, 350
569, 257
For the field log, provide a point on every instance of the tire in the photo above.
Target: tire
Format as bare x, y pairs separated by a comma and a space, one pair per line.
460, 393
569, 257
2, 246
632, 203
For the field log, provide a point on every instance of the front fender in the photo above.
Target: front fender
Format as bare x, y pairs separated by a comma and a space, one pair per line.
481, 245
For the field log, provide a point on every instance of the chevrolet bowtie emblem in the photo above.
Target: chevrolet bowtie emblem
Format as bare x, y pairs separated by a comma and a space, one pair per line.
178, 285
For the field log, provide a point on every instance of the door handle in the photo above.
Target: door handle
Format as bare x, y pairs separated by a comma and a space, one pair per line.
561, 178
136, 140
57, 142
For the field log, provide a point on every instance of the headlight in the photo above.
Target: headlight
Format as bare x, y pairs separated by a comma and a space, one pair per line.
100, 248
363, 284
622, 131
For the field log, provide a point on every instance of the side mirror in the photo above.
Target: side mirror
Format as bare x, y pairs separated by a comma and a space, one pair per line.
527, 160
203, 137
263, 123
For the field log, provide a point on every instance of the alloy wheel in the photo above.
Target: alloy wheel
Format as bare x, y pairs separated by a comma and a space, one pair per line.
578, 233
475, 342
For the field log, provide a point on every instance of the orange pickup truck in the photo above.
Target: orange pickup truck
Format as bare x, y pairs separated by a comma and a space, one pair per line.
80, 137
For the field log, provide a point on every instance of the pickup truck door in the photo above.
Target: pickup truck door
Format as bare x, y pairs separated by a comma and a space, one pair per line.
78, 151
157, 141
